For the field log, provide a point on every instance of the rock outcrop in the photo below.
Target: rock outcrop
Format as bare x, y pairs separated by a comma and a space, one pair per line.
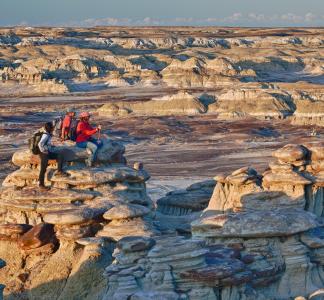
309, 112
271, 216
260, 236
67, 225
251, 73
177, 209
260, 103
179, 104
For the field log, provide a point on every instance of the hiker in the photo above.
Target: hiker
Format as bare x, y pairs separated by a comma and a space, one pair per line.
85, 138
69, 122
46, 152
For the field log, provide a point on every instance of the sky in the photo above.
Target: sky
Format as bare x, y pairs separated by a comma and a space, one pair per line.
162, 12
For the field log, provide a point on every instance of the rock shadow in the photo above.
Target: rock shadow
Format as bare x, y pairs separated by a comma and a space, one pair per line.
85, 281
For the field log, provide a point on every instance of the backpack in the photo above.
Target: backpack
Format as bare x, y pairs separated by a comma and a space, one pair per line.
73, 129
34, 141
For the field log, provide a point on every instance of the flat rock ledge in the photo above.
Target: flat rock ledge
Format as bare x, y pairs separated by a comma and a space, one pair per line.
256, 224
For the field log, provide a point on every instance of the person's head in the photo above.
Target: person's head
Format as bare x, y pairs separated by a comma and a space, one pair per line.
70, 112
49, 127
85, 116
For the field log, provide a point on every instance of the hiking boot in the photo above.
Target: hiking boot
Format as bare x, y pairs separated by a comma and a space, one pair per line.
44, 188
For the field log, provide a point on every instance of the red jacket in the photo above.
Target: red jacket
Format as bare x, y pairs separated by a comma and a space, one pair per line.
84, 131
66, 126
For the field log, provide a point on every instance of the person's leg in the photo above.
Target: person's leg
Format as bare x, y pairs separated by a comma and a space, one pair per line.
97, 142
43, 167
58, 156
93, 149
82, 145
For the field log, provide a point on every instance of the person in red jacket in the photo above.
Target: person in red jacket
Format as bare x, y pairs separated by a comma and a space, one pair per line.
66, 124
85, 138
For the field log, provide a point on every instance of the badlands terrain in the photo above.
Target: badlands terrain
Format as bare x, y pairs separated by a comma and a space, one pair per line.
182, 105
201, 99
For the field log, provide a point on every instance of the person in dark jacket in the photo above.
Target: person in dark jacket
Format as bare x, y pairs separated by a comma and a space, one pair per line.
46, 153
85, 138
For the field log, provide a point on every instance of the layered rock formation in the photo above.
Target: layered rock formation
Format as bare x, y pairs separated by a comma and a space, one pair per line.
65, 229
260, 103
256, 73
177, 209
179, 104
272, 216
260, 236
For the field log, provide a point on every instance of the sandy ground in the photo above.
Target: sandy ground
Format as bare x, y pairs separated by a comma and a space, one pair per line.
177, 151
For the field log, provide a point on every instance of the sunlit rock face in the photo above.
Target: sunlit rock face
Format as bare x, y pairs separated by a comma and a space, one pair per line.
251, 235
278, 213
97, 234
260, 236
257, 73
181, 103
67, 225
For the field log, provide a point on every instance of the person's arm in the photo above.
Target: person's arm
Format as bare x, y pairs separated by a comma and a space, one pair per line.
88, 130
43, 143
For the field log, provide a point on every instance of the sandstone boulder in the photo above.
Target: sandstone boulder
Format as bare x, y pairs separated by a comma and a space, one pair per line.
101, 175
255, 224
316, 150
135, 243
26, 177
291, 153
36, 237
13, 230
285, 178
73, 216
110, 152
178, 104
179, 208
36, 195
126, 212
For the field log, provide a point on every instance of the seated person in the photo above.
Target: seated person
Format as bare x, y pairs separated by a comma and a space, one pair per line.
85, 138
67, 124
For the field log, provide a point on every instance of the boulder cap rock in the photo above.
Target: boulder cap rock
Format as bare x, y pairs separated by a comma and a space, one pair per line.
33, 193
11, 229
276, 167
316, 150
279, 222
106, 154
290, 153
245, 170
36, 237
289, 177
124, 211
135, 243
73, 216
268, 200
101, 175
89, 241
